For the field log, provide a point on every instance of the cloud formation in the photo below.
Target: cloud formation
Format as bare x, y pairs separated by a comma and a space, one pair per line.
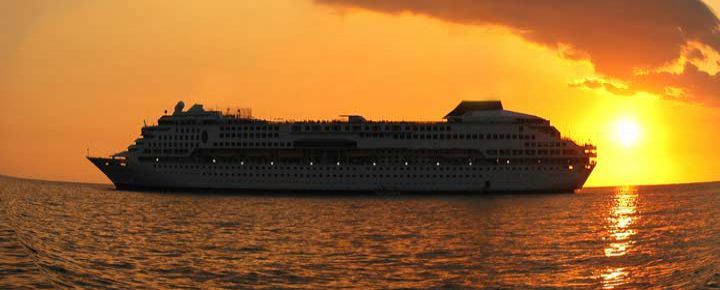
633, 42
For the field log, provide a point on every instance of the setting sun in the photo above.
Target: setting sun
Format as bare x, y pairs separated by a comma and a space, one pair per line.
627, 132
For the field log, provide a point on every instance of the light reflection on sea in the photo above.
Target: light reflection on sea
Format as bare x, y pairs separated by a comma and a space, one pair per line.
620, 233
57, 235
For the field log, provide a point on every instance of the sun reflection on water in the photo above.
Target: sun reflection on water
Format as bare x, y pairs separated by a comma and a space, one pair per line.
620, 220
613, 277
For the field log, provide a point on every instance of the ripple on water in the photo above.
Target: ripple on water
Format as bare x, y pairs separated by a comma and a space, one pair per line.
56, 235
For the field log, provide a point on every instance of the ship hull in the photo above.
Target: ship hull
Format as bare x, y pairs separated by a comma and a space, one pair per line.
427, 179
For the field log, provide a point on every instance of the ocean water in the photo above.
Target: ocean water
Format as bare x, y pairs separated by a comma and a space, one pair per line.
61, 235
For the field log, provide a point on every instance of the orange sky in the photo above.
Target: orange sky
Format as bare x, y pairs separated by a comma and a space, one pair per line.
79, 74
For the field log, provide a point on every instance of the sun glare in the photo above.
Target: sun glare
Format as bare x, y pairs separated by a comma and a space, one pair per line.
627, 132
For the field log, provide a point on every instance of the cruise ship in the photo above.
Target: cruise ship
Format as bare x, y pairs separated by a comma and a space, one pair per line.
478, 147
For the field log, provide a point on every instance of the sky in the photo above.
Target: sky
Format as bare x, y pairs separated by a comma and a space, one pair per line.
637, 78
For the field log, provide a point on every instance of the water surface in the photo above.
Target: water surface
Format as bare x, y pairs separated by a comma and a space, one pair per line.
61, 235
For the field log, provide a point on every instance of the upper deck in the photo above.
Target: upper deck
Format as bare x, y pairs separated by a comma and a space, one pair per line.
476, 112
483, 126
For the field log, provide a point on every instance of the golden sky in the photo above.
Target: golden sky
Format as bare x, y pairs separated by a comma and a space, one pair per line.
638, 78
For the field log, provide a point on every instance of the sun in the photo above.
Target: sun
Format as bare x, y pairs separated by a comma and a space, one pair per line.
627, 132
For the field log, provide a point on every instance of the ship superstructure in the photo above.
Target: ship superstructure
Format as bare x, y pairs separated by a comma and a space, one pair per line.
479, 147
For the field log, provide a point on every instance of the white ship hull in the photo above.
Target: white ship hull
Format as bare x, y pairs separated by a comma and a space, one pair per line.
474, 179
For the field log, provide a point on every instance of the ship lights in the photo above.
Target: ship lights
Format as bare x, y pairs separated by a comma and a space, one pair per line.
374, 164
437, 163
311, 163
214, 161
242, 163
338, 164
272, 163
157, 159
470, 164
406, 164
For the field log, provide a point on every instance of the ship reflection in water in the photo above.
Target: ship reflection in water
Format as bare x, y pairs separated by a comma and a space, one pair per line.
55, 235
620, 233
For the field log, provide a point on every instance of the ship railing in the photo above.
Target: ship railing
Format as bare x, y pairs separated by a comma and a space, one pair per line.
584, 144
590, 150
234, 112
573, 141
344, 121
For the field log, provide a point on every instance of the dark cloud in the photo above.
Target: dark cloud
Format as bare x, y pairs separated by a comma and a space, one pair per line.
695, 54
620, 37
696, 85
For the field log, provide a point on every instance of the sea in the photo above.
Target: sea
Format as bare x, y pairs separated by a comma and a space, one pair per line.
57, 235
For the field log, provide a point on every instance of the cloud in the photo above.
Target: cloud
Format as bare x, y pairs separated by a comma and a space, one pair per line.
690, 85
620, 37
613, 87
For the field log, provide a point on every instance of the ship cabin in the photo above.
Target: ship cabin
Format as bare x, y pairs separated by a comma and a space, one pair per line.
472, 133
